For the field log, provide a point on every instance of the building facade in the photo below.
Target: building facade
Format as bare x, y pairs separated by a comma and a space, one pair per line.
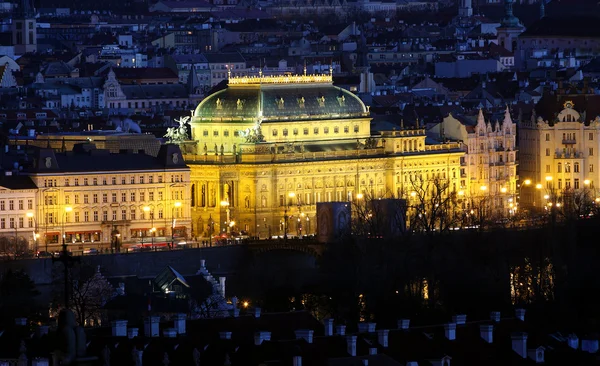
270, 147
559, 148
489, 167
93, 198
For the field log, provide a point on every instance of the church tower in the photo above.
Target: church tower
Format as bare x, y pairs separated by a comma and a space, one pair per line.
465, 9
24, 33
510, 28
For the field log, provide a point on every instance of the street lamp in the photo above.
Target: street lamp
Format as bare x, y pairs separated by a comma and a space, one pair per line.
225, 204
175, 205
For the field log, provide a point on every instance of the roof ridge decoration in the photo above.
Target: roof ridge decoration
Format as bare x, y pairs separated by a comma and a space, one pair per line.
281, 79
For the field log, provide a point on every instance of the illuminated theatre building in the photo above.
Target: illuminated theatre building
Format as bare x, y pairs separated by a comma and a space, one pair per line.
268, 148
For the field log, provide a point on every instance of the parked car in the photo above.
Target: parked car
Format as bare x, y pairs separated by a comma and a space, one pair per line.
90, 251
43, 254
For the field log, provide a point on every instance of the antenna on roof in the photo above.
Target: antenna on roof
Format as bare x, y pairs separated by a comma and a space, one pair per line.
304, 67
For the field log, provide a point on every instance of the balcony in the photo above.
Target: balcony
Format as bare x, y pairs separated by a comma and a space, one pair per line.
569, 141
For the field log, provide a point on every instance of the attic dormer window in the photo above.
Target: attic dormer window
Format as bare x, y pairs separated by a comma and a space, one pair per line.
342, 100
321, 101
219, 104
280, 103
301, 102
240, 104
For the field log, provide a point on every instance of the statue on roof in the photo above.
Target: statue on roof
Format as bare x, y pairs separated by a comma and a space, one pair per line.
178, 134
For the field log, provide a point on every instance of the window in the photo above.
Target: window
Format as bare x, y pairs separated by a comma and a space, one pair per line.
95, 181
86, 199
104, 198
285, 132
591, 152
76, 216
95, 215
547, 137
295, 131
12, 222
325, 130
104, 181
346, 129
30, 222
305, 131
86, 216
205, 133
141, 179
216, 133
547, 152
160, 213
356, 129
122, 180
160, 195
114, 180
567, 168
123, 214
85, 181
21, 220
132, 214
576, 183
20, 204
576, 167
226, 133
567, 183
95, 198
3, 223
142, 196
150, 196
591, 168
30, 204
336, 129
160, 179
132, 197
76, 181
591, 136
114, 215
123, 197
559, 168
151, 179
66, 182
548, 168
2, 207
132, 180
559, 183
114, 198
67, 199
316, 130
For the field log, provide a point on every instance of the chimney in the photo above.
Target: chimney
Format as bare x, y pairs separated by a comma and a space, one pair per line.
487, 332
42, 330
459, 319
225, 335
235, 313
222, 285
119, 328
351, 342
365, 362
179, 323
363, 327
132, 332
257, 313
260, 337
340, 330
151, 326
589, 345
403, 324
519, 343
536, 354
371, 327
573, 341
202, 265
328, 327
297, 361
21, 321
170, 332
382, 337
520, 314
373, 351
450, 331
495, 316
306, 334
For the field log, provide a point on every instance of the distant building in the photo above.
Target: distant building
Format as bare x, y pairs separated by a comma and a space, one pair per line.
24, 32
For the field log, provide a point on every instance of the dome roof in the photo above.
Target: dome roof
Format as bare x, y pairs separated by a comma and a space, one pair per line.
279, 101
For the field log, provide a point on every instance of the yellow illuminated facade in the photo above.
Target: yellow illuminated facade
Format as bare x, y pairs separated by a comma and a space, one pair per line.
94, 207
560, 154
268, 148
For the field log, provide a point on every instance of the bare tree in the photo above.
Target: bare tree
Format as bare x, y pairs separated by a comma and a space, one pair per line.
433, 206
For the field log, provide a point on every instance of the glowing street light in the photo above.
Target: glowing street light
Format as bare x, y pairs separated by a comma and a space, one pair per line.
586, 182
527, 182
503, 189
538, 186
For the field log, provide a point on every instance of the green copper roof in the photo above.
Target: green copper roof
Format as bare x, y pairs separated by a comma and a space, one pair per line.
276, 102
